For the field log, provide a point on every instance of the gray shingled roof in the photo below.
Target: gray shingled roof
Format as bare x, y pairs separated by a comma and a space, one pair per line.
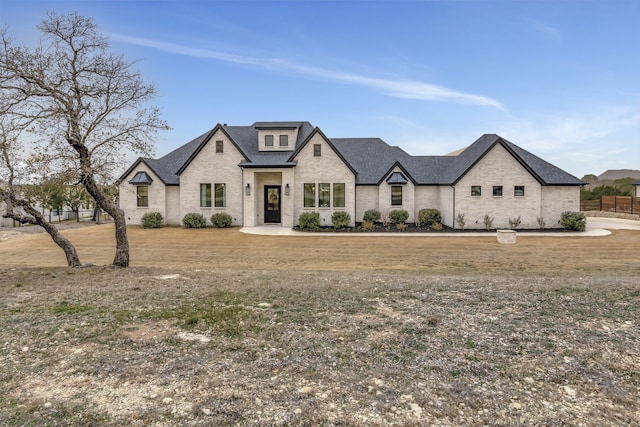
246, 137
371, 159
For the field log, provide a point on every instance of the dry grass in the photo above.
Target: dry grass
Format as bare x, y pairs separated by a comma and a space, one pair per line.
214, 327
229, 249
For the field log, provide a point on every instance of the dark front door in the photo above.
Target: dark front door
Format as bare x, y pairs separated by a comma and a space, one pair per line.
271, 203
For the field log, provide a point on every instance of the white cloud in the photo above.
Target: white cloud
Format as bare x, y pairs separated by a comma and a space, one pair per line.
551, 33
401, 88
604, 138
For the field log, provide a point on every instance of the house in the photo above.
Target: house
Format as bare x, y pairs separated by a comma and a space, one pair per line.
271, 172
61, 213
636, 185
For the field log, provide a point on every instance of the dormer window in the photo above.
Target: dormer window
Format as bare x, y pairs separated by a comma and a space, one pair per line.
277, 136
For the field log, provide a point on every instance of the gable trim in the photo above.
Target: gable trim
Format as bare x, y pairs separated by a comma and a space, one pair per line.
135, 165
397, 164
328, 141
205, 141
513, 154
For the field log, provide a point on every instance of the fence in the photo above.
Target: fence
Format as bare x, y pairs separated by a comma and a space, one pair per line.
620, 204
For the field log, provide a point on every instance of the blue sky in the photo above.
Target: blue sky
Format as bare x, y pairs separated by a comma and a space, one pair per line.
559, 78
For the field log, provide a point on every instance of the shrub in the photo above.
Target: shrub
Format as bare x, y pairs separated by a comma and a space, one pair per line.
541, 223
341, 219
398, 216
221, 220
371, 215
367, 226
460, 220
194, 220
401, 226
309, 221
576, 221
429, 217
152, 220
514, 223
488, 222
437, 226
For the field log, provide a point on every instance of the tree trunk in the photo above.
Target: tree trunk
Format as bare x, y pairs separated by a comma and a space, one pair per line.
86, 177
38, 219
122, 242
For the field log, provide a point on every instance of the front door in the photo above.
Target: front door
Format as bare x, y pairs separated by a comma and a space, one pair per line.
271, 204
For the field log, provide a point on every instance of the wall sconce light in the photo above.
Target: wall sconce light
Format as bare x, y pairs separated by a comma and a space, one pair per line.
247, 190
286, 190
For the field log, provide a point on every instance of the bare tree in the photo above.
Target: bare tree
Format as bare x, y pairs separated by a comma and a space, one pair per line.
19, 208
86, 104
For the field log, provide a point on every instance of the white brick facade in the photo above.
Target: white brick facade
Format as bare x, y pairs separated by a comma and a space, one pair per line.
210, 167
498, 168
238, 158
327, 168
128, 196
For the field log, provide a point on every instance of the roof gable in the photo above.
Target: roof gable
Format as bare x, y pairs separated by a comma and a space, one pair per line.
247, 139
397, 178
544, 172
317, 131
205, 141
370, 159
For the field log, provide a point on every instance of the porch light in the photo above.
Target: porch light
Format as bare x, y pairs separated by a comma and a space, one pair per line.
247, 190
286, 190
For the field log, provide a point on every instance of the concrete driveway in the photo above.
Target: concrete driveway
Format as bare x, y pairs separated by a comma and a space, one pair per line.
612, 223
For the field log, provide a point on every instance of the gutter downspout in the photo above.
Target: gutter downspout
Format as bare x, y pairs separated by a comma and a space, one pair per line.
243, 195
453, 219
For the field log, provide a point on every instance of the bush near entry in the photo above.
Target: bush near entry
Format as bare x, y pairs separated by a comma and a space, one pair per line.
309, 221
194, 220
221, 220
341, 219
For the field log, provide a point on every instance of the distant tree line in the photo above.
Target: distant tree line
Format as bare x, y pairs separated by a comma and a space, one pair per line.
596, 189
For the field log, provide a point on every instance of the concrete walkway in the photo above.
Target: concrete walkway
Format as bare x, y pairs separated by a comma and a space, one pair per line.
595, 227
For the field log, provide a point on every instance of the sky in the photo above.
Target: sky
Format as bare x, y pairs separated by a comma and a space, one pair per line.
560, 78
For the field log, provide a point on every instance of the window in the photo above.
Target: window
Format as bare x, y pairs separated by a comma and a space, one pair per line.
205, 195
324, 195
518, 191
396, 195
476, 191
284, 140
143, 196
338, 195
220, 195
497, 191
317, 150
268, 140
219, 146
309, 195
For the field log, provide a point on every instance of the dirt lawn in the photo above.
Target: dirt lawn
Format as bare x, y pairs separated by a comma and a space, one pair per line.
215, 327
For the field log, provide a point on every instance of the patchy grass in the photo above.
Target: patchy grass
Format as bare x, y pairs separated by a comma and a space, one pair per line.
213, 327
257, 347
